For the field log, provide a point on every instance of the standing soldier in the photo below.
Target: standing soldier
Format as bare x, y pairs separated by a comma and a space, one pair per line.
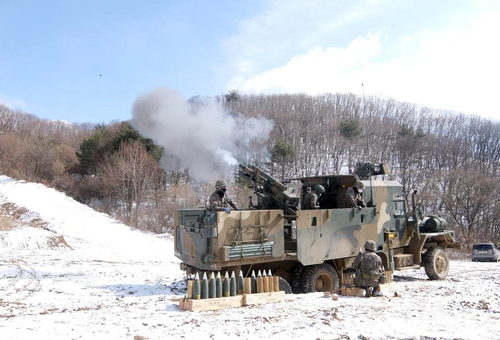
353, 198
311, 201
218, 200
369, 271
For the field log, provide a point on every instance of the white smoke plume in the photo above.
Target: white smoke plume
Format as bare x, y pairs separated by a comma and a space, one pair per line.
206, 139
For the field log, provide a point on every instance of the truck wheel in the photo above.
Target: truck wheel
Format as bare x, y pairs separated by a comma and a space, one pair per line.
436, 263
284, 286
320, 278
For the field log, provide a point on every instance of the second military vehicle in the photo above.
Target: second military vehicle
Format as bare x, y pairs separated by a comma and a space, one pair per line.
313, 250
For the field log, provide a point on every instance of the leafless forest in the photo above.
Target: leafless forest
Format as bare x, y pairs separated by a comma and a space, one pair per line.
452, 159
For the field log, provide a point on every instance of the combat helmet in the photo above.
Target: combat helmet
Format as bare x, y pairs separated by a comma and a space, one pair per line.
319, 189
220, 184
359, 185
370, 245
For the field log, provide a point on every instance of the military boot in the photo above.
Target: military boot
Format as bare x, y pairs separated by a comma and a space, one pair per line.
368, 292
376, 292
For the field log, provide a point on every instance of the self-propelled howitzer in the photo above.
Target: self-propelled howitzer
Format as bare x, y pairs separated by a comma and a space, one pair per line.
313, 250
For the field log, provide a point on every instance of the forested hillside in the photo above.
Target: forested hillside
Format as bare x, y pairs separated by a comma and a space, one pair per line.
451, 159
35, 149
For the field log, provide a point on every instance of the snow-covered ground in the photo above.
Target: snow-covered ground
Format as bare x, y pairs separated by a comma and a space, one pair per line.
68, 272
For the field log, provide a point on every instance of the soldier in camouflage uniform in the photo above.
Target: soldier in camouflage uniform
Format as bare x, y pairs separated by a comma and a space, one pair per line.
219, 201
369, 271
311, 201
353, 198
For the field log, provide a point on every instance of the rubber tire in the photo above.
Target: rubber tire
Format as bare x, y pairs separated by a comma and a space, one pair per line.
311, 274
284, 286
435, 258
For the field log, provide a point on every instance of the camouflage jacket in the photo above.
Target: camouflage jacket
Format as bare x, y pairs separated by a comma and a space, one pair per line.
218, 203
352, 199
311, 201
368, 269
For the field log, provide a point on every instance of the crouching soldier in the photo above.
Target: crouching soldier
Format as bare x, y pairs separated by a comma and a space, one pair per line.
369, 271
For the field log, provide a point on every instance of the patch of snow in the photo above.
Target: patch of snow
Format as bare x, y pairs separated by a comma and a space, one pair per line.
79, 224
118, 283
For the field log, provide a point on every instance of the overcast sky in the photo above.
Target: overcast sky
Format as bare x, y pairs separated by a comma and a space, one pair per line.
88, 60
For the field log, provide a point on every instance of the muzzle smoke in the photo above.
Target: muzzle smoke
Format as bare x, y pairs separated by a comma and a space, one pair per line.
206, 139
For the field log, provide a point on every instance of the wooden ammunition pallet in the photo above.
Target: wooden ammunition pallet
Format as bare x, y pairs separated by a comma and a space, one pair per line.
231, 301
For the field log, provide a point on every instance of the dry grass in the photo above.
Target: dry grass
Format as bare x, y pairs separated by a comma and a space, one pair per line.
55, 242
459, 254
12, 217
6, 221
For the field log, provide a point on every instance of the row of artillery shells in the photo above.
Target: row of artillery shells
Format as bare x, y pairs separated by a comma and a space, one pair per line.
217, 287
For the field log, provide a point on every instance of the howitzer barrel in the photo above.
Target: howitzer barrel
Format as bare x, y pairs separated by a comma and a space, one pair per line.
269, 179
253, 174
271, 193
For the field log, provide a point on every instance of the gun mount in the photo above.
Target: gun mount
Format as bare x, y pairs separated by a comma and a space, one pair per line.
365, 170
271, 193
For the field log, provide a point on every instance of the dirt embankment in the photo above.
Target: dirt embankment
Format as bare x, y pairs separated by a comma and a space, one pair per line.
13, 219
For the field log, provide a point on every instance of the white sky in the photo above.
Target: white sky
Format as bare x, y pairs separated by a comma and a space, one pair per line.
444, 56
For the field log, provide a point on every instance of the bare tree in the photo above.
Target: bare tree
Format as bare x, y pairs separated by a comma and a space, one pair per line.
470, 200
131, 175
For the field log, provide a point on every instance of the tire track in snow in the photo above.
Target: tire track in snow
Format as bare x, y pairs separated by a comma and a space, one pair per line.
23, 284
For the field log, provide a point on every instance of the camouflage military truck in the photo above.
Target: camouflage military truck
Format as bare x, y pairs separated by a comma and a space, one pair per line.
313, 250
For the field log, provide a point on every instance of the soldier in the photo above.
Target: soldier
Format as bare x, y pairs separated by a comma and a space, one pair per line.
311, 201
353, 198
219, 201
369, 271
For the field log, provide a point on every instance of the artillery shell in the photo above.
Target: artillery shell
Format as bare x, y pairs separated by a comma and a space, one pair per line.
218, 286
276, 283
204, 287
190, 289
196, 287
260, 288
232, 289
211, 287
253, 280
225, 286
241, 284
265, 282
270, 280
248, 285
